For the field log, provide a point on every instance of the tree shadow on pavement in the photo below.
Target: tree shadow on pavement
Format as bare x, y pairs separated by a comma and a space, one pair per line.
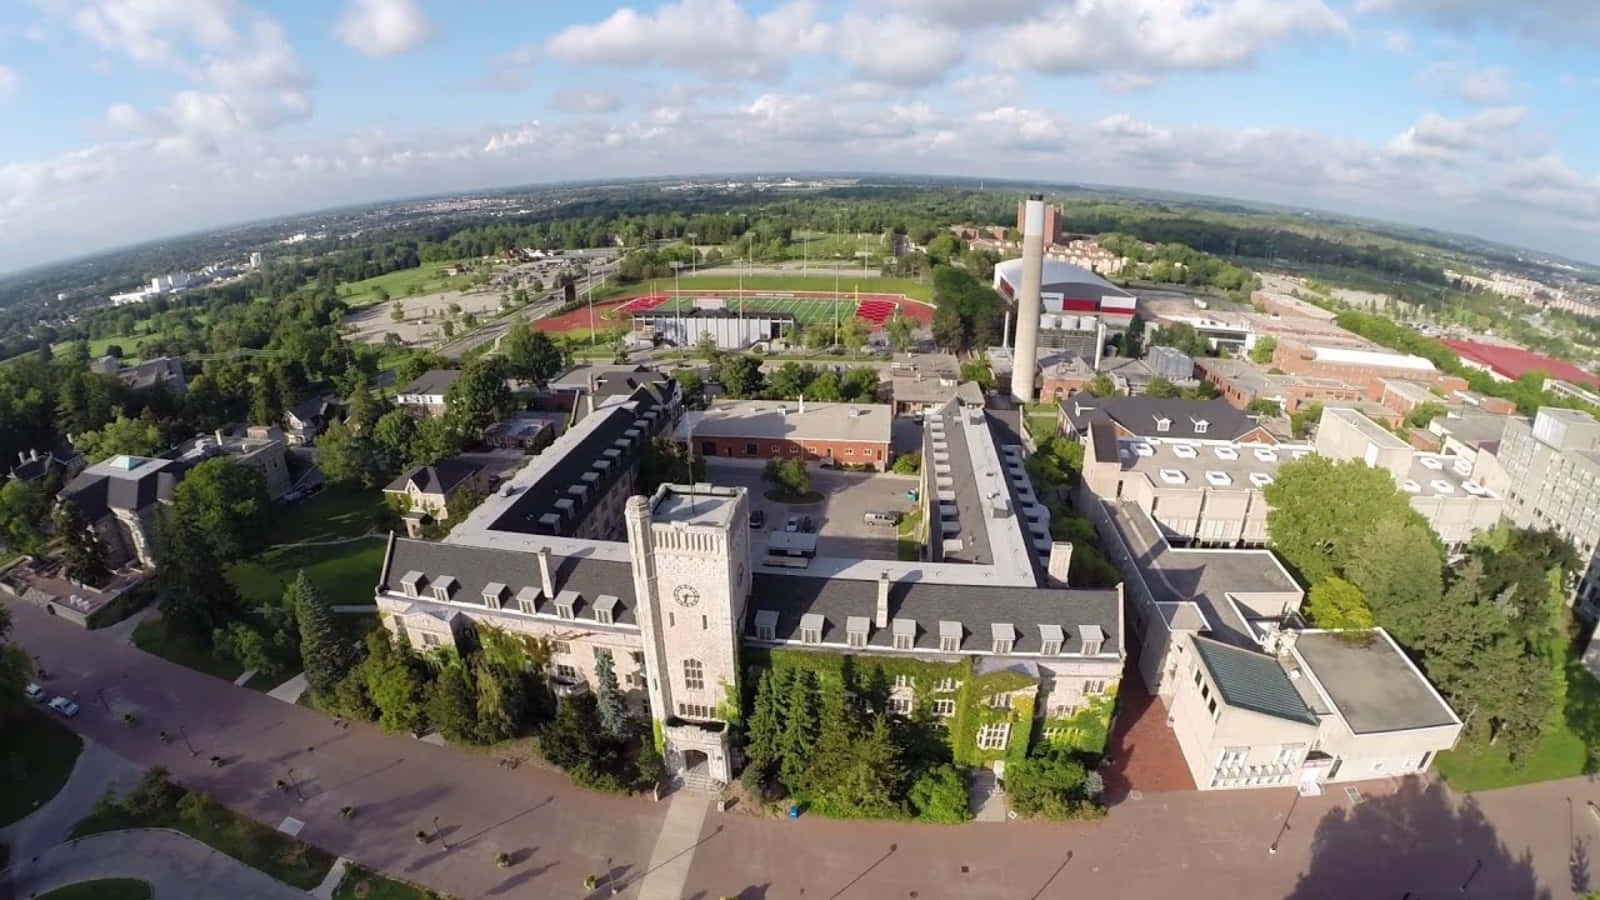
1415, 842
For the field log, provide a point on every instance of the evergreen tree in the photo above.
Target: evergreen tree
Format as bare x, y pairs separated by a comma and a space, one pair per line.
870, 780
363, 409
450, 708
799, 731
85, 554
502, 701
324, 653
877, 692
393, 682
766, 721
613, 711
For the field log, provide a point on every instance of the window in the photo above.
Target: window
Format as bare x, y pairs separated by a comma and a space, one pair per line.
1289, 754
811, 635
602, 616
602, 653
1205, 692
994, 735
564, 610
949, 643
695, 711
1201, 426
561, 648
849, 451
944, 708
902, 642
636, 681
1001, 645
491, 600
901, 705
1163, 425
694, 675
857, 639
410, 589
1212, 708
1063, 710
441, 594
705, 623
1197, 677
945, 685
671, 619
765, 632
637, 656
1094, 686
902, 681
1092, 648
1050, 648
1233, 757
565, 671
998, 701
751, 450
429, 639
524, 602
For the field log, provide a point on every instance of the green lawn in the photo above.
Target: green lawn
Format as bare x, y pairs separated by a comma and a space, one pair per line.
848, 283
426, 278
157, 803
101, 889
1040, 419
345, 573
339, 511
1562, 752
36, 757
364, 884
152, 636
907, 547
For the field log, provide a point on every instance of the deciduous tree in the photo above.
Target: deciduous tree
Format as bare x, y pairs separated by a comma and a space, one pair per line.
1319, 537
223, 503
85, 554
1336, 603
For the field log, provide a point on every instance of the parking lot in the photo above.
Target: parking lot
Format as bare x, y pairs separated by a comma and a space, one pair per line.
837, 518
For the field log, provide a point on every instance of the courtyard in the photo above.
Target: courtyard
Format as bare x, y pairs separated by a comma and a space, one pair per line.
837, 517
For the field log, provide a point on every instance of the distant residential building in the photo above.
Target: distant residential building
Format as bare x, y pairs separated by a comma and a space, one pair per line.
1443, 488
830, 433
163, 371
527, 432
119, 498
1553, 465
426, 491
33, 466
261, 448
308, 418
425, 397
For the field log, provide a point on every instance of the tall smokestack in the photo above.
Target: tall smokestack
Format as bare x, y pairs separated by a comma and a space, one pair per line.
1026, 356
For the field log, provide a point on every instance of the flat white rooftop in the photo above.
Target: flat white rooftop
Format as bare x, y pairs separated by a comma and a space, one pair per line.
790, 420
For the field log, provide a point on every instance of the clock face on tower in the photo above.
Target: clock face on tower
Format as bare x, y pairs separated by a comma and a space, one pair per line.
685, 595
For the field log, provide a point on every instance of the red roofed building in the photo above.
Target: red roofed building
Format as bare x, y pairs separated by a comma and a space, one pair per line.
1512, 363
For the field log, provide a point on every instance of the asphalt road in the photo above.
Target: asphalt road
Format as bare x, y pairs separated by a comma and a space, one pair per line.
1189, 844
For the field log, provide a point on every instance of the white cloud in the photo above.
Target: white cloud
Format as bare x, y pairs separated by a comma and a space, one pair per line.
594, 102
1489, 85
1489, 132
8, 83
1129, 82
1160, 35
383, 28
717, 36
508, 71
1396, 41
965, 12
1555, 21
153, 31
992, 86
1011, 126
897, 49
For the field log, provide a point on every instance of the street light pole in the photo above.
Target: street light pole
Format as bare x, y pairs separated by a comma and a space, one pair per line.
439, 834
1273, 849
185, 735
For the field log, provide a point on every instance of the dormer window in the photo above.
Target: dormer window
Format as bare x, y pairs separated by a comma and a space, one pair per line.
605, 609
811, 628
950, 637
855, 629
409, 583
1005, 637
905, 633
1050, 639
1200, 426
766, 625
492, 592
566, 604
442, 586
1092, 637
528, 599
1163, 424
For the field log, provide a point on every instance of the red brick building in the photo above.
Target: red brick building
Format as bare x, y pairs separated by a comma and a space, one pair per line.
1366, 368
852, 434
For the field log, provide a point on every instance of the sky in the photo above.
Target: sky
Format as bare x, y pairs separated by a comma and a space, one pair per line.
124, 120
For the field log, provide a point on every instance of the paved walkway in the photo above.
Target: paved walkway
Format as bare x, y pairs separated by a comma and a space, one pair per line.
174, 864
673, 853
96, 771
124, 630
290, 691
1199, 845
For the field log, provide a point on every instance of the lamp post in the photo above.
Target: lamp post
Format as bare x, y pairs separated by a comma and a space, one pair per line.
439, 834
185, 735
1272, 850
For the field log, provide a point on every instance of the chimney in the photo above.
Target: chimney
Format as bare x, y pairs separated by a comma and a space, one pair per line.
1026, 356
547, 581
1099, 343
1060, 562
881, 616
802, 404
219, 437
22, 456
33, 455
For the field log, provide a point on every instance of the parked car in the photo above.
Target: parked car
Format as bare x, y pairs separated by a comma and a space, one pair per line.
34, 692
792, 524
758, 518
65, 707
881, 518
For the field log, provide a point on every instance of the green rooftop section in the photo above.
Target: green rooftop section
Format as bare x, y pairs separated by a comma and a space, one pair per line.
1253, 681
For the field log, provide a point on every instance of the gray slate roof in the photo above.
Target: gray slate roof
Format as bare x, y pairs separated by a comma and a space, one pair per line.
97, 493
474, 568
1139, 415
433, 381
1254, 681
976, 607
441, 477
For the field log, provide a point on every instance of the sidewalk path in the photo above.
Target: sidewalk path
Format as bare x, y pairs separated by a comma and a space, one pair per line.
174, 864
290, 691
96, 771
124, 629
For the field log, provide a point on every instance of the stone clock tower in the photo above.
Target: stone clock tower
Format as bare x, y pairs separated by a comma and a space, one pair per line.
690, 550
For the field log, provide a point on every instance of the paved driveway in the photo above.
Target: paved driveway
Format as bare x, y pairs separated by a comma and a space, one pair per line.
1190, 844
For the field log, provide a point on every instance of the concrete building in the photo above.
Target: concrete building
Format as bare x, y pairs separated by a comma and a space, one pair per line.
1443, 488
672, 589
1366, 368
425, 397
261, 448
119, 498
1553, 466
853, 434
1199, 485
730, 329
1253, 697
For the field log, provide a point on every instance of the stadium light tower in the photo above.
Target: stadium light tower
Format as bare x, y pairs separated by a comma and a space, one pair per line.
677, 295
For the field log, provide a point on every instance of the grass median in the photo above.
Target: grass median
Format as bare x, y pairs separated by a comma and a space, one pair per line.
101, 889
37, 753
365, 884
158, 803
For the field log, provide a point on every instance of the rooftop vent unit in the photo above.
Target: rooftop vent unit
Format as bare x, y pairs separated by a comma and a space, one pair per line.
1442, 486
1225, 453
1410, 486
1174, 476
1260, 479
1184, 451
1144, 450
1218, 479
1431, 462
1266, 454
